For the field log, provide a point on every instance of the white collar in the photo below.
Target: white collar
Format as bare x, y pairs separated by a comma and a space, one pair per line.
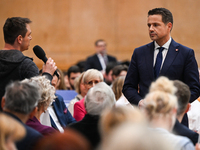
166, 45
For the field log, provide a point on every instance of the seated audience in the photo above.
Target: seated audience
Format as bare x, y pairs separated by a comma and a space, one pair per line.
119, 70
60, 84
90, 78
57, 115
73, 72
80, 89
46, 98
160, 107
66, 80
129, 136
10, 132
112, 118
20, 102
98, 98
69, 140
108, 73
117, 89
183, 96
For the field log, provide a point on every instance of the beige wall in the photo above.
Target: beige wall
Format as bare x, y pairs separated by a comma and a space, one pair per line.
67, 29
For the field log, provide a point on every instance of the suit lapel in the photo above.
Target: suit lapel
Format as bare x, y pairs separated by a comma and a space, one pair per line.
171, 55
149, 54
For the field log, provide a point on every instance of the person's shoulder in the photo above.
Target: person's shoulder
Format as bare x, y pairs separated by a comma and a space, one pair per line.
144, 47
180, 46
32, 132
91, 56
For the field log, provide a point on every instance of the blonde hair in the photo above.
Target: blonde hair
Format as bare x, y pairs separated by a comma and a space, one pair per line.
92, 74
117, 86
161, 99
111, 118
10, 128
77, 83
47, 90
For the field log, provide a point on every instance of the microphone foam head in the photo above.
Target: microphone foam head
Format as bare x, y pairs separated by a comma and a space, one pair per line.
39, 52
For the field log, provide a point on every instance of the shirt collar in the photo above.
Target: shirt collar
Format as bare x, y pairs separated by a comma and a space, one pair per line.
166, 45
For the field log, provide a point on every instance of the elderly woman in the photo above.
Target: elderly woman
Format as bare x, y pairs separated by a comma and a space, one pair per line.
160, 107
80, 89
47, 96
98, 98
10, 132
90, 78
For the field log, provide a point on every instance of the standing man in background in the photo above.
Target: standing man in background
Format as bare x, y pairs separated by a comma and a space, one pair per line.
13, 64
162, 57
100, 59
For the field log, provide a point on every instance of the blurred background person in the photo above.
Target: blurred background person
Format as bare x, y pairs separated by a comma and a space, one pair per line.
160, 107
108, 72
117, 89
100, 59
73, 72
119, 70
80, 89
46, 99
98, 98
60, 83
69, 140
90, 78
10, 132
66, 80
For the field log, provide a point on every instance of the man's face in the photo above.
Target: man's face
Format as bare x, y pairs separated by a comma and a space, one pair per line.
72, 77
158, 31
101, 47
26, 40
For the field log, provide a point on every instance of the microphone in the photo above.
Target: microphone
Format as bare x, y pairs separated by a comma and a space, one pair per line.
39, 52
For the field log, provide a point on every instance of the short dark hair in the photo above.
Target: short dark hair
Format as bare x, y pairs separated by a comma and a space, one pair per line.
74, 69
117, 69
110, 66
14, 27
165, 13
97, 41
183, 96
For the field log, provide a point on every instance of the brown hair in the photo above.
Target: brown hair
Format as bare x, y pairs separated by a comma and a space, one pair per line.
117, 87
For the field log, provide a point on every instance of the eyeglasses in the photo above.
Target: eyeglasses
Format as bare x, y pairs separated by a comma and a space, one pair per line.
93, 82
101, 45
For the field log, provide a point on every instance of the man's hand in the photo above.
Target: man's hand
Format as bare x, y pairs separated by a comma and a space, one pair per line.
50, 67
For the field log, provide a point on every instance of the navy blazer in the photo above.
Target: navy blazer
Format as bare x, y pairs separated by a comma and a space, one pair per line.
62, 113
182, 130
180, 64
93, 62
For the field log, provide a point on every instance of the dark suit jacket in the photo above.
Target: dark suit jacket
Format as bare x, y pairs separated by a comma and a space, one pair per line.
32, 136
62, 113
88, 127
180, 64
182, 130
93, 62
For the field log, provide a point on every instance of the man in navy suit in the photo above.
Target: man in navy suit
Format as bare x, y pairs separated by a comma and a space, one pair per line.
177, 61
100, 59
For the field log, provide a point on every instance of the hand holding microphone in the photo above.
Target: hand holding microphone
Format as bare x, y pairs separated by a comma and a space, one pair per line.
49, 66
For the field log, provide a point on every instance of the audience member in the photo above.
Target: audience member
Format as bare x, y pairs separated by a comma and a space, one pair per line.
46, 98
80, 89
98, 98
81, 65
129, 136
117, 89
183, 96
10, 132
100, 59
20, 102
108, 73
14, 65
69, 140
144, 68
112, 118
119, 70
90, 78
66, 79
73, 72
160, 107
57, 114
59, 82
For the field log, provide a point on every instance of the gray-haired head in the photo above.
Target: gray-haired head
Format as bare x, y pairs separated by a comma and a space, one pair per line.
21, 97
98, 98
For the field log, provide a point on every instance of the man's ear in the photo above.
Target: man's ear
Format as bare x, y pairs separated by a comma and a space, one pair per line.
2, 102
19, 39
32, 114
169, 24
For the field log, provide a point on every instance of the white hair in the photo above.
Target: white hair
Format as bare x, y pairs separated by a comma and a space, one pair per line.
98, 98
